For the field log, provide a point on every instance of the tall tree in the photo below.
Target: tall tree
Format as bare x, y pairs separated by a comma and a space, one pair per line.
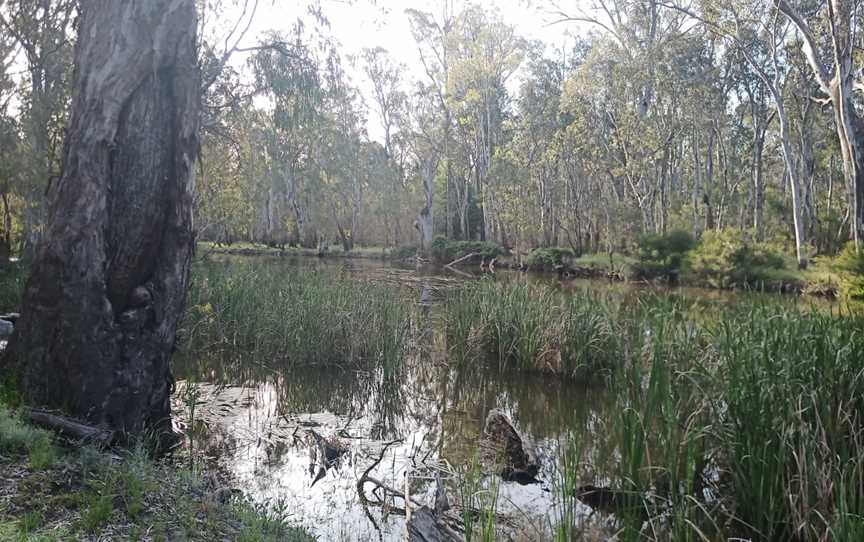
108, 284
833, 66
42, 30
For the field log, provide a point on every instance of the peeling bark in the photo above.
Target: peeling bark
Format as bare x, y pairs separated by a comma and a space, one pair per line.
108, 285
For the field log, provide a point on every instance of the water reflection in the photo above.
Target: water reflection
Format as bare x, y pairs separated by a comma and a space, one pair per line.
256, 419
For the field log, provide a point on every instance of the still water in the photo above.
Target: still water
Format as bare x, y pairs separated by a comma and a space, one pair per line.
259, 424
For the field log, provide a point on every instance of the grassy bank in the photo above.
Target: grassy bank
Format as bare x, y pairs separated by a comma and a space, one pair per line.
257, 249
295, 318
50, 492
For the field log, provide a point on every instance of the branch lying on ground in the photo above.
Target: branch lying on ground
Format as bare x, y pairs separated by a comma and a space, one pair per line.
72, 429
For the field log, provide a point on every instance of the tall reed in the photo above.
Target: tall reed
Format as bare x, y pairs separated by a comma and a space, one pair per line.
745, 425
530, 327
295, 318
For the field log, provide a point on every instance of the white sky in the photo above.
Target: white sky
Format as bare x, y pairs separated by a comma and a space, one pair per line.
360, 24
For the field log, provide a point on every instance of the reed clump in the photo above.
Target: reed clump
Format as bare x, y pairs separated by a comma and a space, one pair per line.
294, 318
748, 425
532, 328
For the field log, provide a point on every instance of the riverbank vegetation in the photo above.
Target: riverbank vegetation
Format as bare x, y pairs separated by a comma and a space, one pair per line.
53, 491
734, 419
293, 318
744, 421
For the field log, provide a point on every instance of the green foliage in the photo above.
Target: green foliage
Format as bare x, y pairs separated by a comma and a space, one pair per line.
725, 258
445, 251
850, 264
663, 255
546, 259
18, 437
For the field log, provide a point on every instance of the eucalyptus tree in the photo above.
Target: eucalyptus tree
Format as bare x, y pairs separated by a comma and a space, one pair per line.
434, 35
42, 30
287, 75
752, 90
536, 143
742, 26
389, 97
423, 137
486, 52
832, 58
108, 283
389, 102
338, 150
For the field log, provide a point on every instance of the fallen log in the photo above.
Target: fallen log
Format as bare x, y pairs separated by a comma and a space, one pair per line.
457, 261
72, 429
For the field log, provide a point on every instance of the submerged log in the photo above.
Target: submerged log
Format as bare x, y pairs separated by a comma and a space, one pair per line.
613, 501
72, 429
519, 462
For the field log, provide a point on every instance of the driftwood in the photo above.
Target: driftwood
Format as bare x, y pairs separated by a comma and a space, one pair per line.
72, 429
425, 527
379, 485
457, 261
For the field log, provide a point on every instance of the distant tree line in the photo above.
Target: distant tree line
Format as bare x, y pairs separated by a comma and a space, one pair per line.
663, 117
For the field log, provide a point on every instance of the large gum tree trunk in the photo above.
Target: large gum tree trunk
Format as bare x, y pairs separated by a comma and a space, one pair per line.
108, 282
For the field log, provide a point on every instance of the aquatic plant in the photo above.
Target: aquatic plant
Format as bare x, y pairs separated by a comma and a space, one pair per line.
530, 327
745, 425
291, 318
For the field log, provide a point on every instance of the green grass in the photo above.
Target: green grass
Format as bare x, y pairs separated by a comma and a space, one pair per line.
294, 318
18, 437
86, 494
759, 404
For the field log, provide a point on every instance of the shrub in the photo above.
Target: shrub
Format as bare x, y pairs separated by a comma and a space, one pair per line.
547, 259
403, 253
768, 254
445, 251
725, 258
663, 255
850, 264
